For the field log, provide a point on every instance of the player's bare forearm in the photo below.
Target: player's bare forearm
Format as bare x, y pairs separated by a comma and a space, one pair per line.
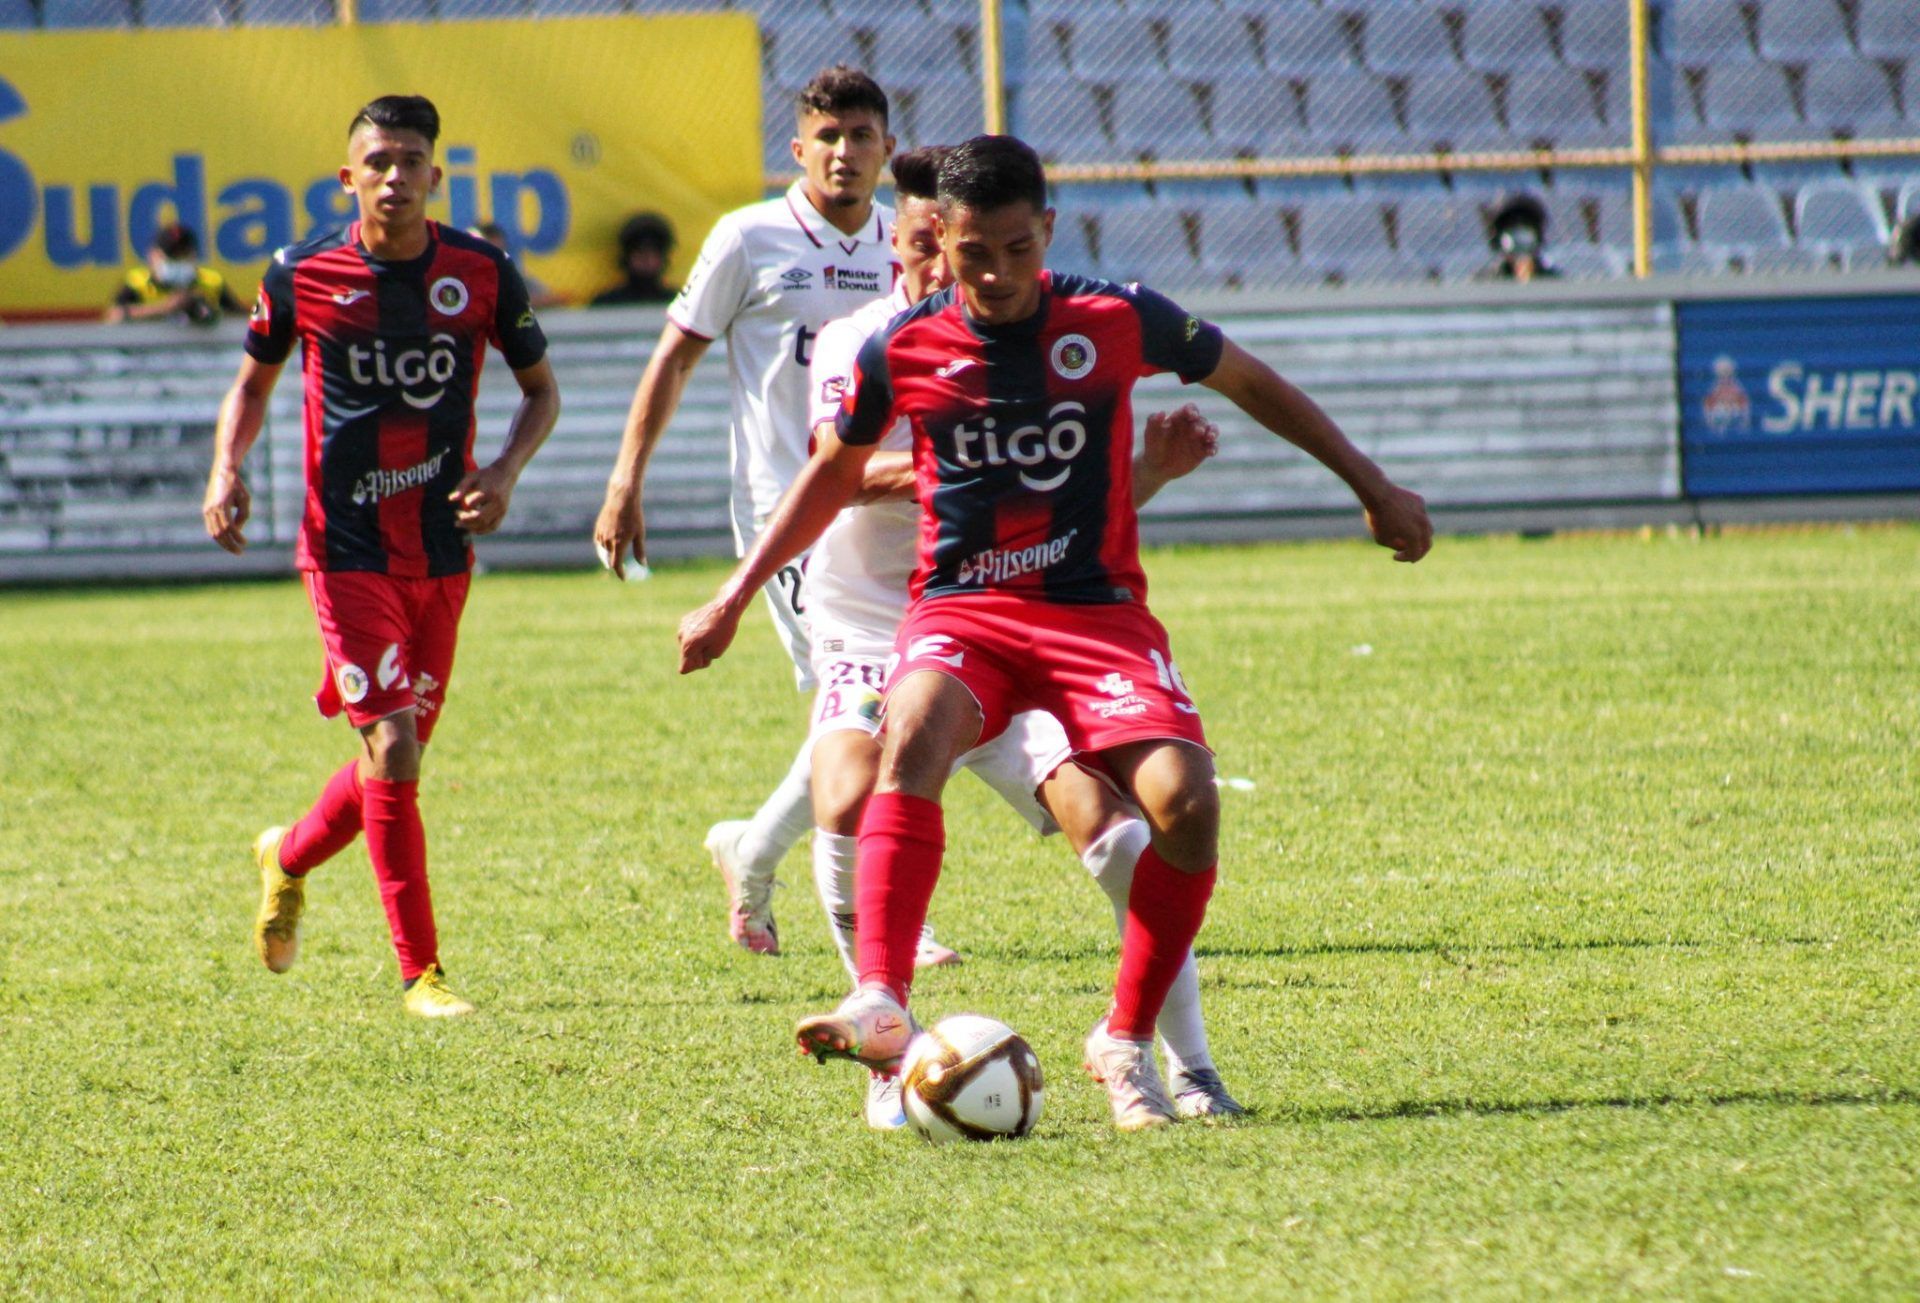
621, 525
1397, 517
888, 477
825, 485
243, 413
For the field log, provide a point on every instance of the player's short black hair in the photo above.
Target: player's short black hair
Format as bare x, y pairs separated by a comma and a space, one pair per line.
916, 172
176, 240
990, 172
399, 113
841, 89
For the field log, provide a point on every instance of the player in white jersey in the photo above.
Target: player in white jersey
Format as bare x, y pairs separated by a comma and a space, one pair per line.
857, 585
769, 276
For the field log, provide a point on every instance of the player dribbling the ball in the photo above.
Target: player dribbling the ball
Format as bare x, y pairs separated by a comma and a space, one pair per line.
1029, 594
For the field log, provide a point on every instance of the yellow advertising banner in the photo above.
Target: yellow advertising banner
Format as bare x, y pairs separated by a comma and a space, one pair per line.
558, 130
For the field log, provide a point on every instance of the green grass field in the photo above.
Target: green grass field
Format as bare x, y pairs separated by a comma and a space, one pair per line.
1565, 941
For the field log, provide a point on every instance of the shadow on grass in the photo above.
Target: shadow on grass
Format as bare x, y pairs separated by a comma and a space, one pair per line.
1437, 1108
1450, 951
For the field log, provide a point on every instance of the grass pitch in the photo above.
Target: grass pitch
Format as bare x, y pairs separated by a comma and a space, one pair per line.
1565, 941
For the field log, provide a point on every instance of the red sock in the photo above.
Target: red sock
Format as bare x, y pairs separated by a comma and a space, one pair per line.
328, 828
1165, 908
397, 844
901, 841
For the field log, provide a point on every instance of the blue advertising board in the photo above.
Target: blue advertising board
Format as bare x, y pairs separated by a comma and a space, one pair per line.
1800, 395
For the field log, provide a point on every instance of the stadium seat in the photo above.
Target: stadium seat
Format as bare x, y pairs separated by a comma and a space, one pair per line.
1794, 31
1306, 41
396, 11
283, 13
1834, 217
940, 115
1616, 221
801, 50
1555, 105
1908, 204
1238, 234
776, 128
1589, 262
1705, 32
866, 13
1594, 36
1260, 115
181, 13
1742, 217
85, 13
563, 8
1779, 262
1071, 250
1202, 46
1045, 50
1114, 48
1062, 121
1436, 227
1404, 38
1452, 108
1341, 233
1506, 35
1158, 116
1352, 110
1146, 243
17, 14
483, 8
1885, 29
921, 52
1851, 97
1750, 102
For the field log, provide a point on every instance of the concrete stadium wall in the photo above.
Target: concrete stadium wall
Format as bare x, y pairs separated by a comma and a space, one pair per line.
1532, 408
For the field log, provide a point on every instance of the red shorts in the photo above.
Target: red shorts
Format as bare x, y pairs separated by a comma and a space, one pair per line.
389, 643
1105, 672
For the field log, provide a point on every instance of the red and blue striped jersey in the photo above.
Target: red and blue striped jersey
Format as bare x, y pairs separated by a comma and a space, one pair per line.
1023, 433
391, 358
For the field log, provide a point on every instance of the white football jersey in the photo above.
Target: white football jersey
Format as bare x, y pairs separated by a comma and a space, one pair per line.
858, 575
769, 277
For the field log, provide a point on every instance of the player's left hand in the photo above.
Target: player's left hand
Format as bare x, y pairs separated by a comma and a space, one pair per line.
1177, 442
480, 499
705, 634
1398, 519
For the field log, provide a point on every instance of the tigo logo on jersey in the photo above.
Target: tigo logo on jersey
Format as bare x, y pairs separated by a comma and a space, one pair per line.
448, 296
1030, 446
406, 370
1073, 356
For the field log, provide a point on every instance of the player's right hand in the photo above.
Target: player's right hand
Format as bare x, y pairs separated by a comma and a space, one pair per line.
1398, 519
225, 510
620, 527
705, 634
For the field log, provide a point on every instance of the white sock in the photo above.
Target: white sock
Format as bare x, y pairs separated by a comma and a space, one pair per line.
833, 877
1182, 1030
781, 819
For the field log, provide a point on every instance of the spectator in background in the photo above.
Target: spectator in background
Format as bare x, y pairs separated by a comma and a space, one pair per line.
646, 241
538, 295
173, 283
1517, 230
1904, 251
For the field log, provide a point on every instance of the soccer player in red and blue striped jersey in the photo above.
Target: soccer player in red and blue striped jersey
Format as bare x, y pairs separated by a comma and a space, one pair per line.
394, 315
1029, 594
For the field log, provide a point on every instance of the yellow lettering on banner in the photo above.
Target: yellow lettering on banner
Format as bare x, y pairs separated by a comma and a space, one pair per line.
557, 129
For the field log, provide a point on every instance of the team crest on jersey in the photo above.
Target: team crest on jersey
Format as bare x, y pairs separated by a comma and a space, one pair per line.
448, 296
353, 684
833, 390
1073, 356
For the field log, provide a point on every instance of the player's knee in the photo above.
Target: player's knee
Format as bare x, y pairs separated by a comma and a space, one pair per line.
393, 749
838, 800
1187, 827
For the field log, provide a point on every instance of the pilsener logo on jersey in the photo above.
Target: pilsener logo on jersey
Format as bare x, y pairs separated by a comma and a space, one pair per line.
998, 565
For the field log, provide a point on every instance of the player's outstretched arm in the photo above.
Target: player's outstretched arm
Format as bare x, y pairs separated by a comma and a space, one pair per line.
1175, 443
621, 524
480, 498
1396, 516
825, 485
242, 413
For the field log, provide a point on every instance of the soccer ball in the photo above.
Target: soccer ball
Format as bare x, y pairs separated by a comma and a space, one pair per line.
970, 1078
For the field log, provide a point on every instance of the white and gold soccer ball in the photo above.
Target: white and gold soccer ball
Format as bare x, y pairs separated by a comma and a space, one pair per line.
970, 1077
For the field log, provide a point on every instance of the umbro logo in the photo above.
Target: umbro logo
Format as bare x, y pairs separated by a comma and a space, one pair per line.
346, 297
796, 278
955, 367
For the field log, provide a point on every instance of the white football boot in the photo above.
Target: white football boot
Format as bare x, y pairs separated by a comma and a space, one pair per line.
885, 1109
1199, 1093
749, 898
930, 953
1126, 1068
869, 1027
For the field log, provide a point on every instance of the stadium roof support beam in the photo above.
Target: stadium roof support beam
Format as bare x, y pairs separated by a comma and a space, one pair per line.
1637, 34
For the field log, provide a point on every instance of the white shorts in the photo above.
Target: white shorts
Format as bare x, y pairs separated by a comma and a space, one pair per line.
1014, 764
786, 601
